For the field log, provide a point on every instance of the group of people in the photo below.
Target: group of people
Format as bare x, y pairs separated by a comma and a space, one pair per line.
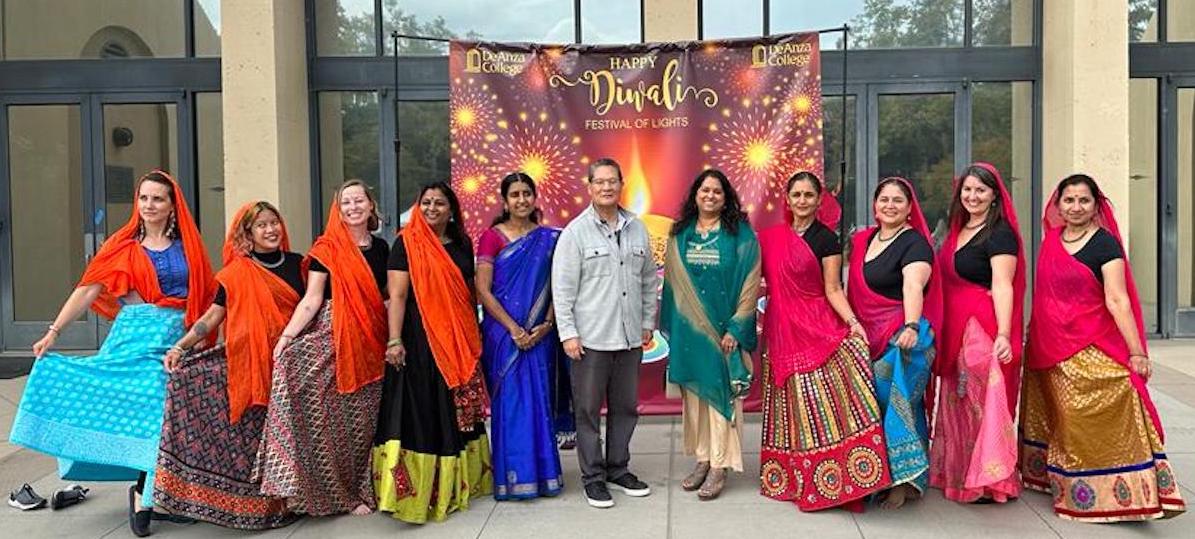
358, 377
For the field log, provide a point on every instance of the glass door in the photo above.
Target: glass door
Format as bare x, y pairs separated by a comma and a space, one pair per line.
48, 220
1178, 207
920, 132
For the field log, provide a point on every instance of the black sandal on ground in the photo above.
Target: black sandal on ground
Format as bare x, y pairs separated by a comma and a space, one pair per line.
138, 519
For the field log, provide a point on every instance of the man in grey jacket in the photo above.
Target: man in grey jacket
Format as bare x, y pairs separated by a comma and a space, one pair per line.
604, 290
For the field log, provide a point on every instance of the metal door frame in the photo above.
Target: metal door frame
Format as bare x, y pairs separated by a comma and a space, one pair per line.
1172, 320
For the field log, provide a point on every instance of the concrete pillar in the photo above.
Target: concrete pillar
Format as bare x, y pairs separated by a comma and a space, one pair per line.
669, 20
1085, 121
266, 133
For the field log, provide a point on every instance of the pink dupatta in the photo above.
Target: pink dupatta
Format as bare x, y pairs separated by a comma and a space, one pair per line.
880, 315
801, 328
966, 300
1069, 311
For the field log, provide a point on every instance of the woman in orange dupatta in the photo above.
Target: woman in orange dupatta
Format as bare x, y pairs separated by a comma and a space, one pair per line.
210, 439
327, 367
431, 455
1090, 433
153, 278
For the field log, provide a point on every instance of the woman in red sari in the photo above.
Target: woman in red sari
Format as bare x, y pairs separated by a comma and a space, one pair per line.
1087, 367
890, 286
974, 454
823, 441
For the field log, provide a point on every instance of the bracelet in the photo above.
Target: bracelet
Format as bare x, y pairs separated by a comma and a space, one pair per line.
176, 348
915, 326
393, 342
1005, 335
852, 321
288, 337
1131, 356
54, 329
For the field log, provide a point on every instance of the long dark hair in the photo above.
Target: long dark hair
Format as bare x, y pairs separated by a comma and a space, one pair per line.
507, 182
904, 188
732, 211
456, 227
1076, 179
803, 175
996, 214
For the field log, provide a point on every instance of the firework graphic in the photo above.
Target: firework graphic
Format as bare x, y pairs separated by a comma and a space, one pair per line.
472, 111
755, 149
548, 151
478, 190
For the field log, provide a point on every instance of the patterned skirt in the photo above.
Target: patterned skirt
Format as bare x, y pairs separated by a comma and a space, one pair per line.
1087, 439
974, 454
823, 440
102, 415
315, 445
205, 465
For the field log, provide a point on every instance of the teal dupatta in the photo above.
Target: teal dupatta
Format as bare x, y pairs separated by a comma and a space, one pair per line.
704, 301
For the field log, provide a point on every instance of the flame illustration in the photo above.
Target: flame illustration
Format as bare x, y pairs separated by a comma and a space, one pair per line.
636, 195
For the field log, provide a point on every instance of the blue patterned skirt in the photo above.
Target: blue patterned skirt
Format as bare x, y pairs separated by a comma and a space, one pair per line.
101, 416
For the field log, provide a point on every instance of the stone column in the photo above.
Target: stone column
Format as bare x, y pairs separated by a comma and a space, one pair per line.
669, 20
266, 125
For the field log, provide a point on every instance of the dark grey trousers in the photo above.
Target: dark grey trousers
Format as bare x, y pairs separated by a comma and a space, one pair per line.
613, 378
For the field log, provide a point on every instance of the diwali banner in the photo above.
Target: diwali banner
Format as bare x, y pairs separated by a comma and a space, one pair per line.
665, 111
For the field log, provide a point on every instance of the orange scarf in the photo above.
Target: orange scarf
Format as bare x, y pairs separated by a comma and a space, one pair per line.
445, 301
359, 317
259, 305
122, 266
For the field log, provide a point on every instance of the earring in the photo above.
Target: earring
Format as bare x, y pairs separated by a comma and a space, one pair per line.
141, 231
170, 231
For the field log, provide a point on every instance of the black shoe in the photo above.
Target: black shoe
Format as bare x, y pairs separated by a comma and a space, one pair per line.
172, 518
630, 485
67, 497
598, 496
138, 520
25, 499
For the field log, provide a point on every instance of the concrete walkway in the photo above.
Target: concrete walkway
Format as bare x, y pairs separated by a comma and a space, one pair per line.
668, 513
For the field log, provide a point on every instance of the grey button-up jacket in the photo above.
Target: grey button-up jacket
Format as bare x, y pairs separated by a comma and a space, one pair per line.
604, 282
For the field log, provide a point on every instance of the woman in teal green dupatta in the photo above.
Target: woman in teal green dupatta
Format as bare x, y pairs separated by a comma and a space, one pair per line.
711, 283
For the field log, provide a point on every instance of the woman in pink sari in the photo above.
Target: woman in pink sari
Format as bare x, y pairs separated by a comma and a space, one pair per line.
982, 264
1090, 433
823, 442
891, 287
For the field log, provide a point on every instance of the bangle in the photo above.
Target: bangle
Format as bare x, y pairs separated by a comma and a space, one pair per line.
393, 342
176, 348
852, 321
915, 326
288, 337
1005, 335
54, 329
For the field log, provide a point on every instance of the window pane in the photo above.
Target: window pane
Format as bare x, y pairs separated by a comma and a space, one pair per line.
1186, 199
207, 28
209, 157
423, 129
731, 18
1143, 183
1180, 20
1143, 20
916, 141
1002, 22
345, 28
1002, 134
488, 20
45, 164
348, 145
832, 123
610, 21
67, 29
141, 137
875, 24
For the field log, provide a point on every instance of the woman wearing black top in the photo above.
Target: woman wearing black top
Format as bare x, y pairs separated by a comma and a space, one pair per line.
983, 278
328, 367
891, 291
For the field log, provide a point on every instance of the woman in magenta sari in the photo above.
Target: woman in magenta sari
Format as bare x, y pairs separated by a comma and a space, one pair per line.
899, 304
823, 441
1087, 367
514, 261
982, 265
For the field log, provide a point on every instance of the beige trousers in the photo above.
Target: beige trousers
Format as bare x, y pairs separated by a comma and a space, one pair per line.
712, 437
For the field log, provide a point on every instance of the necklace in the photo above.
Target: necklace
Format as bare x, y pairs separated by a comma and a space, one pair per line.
882, 239
1076, 240
705, 230
263, 263
973, 227
800, 230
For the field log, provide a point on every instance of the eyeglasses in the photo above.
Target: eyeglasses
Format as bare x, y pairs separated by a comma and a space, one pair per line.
606, 183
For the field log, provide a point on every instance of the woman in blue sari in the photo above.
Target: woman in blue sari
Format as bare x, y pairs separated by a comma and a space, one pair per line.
519, 344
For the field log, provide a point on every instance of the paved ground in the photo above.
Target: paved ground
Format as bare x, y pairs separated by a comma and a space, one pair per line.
669, 512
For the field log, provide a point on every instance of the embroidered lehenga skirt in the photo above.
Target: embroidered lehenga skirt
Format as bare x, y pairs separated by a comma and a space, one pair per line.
1087, 439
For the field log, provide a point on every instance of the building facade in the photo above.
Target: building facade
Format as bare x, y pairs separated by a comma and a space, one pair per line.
285, 99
